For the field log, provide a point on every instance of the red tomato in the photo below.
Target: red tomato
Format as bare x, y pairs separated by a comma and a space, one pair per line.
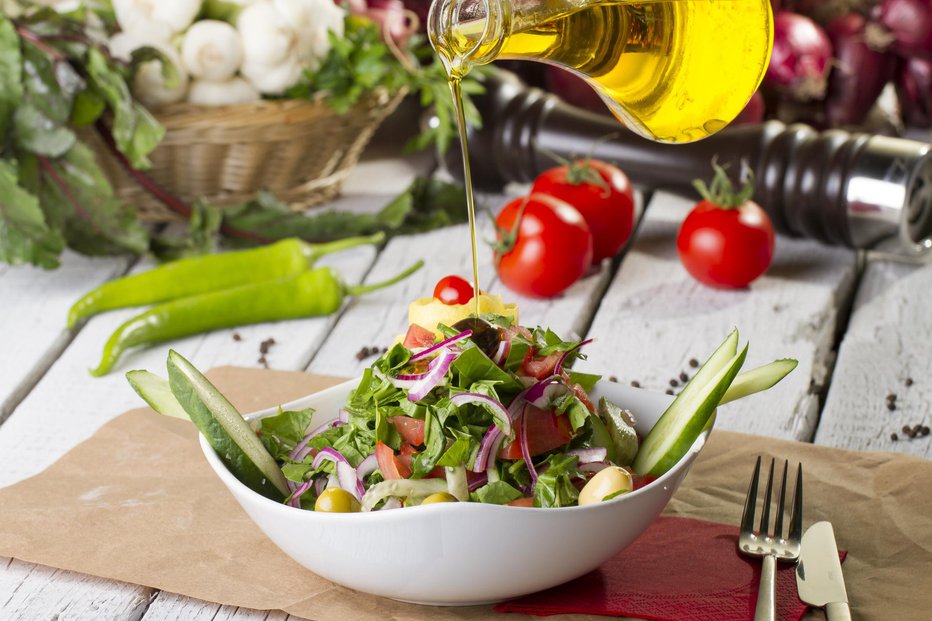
726, 248
453, 290
411, 429
521, 502
408, 452
545, 432
600, 192
540, 367
389, 464
547, 251
418, 337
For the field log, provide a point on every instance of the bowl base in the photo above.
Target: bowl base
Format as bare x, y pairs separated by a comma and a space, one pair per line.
471, 603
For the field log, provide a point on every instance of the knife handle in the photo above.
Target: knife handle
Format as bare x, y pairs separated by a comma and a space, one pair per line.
766, 592
837, 611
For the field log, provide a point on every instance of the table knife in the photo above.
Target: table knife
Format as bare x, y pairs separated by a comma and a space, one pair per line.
818, 573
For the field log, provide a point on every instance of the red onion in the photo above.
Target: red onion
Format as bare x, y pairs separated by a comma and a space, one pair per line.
465, 334
541, 393
594, 466
525, 451
346, 474
301, 449
499, 414
587, 455
492, 438
477, 481
909, 23
391, 503
367, 466
438, 370
914, 90
320, 484
860, 72
501, 354
559, 368
295, 499
799, 64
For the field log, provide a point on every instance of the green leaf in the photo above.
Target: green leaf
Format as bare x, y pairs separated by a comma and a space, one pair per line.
40, 135
199, 238
586, 381
11, 83
554, 487
496, 493
25, 236
87, 108
50, 84
288, 427
134, 130
77, 197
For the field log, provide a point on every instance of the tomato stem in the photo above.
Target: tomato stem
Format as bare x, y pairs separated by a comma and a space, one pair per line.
721, 192
508, 238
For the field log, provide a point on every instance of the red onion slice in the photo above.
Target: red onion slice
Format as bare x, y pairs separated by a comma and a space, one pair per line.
525, 451
320, 484
367, 466
434, 377
588, 455
295, 499
465, 334
301, 450
391, 503
594, 466
541, 393
559, 368
501, 354
346, 474
478, 481
492, 437
496, 409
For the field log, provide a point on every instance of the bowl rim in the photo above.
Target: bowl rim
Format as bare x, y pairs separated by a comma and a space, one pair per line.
229, 479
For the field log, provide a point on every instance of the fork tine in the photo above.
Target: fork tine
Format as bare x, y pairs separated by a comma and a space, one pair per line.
796, 522
747, 518
765, 516
778, 527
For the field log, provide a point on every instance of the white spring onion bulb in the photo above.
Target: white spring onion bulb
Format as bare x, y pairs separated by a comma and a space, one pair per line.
273, 79
233, 91
149, 84
144, 15
268, 38
312, 19
212, 50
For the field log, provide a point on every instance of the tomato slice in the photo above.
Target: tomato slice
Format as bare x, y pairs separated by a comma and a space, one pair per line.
540, 367
411, 429
521, 502
389, 464
545, 432
418, 337
408, 452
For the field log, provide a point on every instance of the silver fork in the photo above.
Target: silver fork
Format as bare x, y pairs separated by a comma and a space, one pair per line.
771, 544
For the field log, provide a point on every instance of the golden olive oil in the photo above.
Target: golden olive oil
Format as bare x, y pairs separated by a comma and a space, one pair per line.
671, 70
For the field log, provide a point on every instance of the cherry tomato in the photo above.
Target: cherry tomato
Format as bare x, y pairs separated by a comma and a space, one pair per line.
545, 432
726, 248
453, 290
548, 250
602, 194
418, 337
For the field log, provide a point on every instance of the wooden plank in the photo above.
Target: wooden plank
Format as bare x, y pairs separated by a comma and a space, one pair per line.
34, 305
654, 318
169, 606
889, 339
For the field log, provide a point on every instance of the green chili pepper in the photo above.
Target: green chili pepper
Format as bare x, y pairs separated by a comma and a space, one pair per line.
312, 293
214, 272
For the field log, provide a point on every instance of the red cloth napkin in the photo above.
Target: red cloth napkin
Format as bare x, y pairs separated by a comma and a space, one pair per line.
680, 569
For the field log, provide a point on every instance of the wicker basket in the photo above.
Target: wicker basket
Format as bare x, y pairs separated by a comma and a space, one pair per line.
300, 150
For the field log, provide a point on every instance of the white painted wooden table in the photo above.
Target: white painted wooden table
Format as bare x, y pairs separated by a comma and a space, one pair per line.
858, 326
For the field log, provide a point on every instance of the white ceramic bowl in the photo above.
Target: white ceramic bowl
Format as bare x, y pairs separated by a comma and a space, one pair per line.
461, 553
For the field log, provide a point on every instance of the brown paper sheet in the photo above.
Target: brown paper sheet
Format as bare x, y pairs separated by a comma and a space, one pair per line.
138, 503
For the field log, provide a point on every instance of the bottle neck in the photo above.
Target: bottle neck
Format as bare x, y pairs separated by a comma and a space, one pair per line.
466, 33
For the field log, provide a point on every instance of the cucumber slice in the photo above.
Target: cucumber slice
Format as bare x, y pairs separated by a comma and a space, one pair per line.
758, 379
157, 393
225, 429
684, 420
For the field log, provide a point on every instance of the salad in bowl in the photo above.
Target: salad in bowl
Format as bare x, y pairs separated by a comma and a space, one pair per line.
469, 463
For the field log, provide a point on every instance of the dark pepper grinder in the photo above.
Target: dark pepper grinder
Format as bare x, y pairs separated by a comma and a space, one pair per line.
837, 187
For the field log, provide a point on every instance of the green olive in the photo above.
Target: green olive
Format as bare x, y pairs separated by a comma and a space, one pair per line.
336, 500
606, 482
439, 497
